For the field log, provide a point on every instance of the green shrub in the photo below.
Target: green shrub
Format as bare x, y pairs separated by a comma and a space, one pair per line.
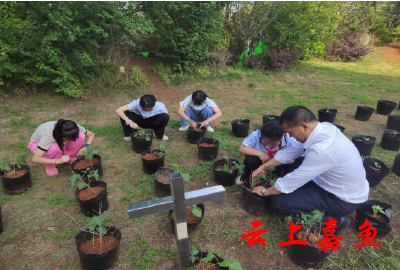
164, 72
138, 78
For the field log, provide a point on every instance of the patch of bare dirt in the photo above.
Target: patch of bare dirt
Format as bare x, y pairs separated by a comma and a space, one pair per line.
391, 51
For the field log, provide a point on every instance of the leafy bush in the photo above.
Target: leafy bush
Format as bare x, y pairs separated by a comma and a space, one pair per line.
273, 59
138, 78
163, 71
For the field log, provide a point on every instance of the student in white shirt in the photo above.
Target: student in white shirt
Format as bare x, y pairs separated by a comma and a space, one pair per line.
331, 177
145, 112
198, 107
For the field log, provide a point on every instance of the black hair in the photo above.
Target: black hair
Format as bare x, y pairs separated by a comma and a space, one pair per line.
295, 115
147, 101
199, 97
272, 130
65, 129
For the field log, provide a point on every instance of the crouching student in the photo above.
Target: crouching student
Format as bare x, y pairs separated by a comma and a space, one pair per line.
145, 112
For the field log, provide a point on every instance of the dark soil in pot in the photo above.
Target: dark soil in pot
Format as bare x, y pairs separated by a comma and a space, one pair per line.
327, 115
80, 165
91, 202
152, 160
396, 165
193, 222
364, 144
16, 182
222, 177
390, 140
207, 148
253, 203
99, 257
269, 117
194, 134
383, 224
393, 122
162, 182
363, 113
240, 127
375, 170
385, 107
139, 143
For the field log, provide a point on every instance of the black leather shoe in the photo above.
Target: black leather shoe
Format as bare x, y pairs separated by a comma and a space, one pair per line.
342, 224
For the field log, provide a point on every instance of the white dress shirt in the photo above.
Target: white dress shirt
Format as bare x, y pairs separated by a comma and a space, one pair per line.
331, 161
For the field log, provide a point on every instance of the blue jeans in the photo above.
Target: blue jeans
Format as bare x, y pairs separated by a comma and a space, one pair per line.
206, 113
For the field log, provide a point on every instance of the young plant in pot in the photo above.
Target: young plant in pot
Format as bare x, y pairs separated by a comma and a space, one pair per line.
15, 176
269, 117
375, 170
309, 255
210, 261
153, 160
240, 127
253, 203
379, 214
141, 140
226, 170
194, 216
90, 159
364, 144
390, 140
327, 115
91, 196
98, 245
194, 134
363, 113
208, 148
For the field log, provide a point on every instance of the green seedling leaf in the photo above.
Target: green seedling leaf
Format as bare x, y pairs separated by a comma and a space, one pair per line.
196, 211
225, 263
236, 266
225, 168
81, 186
186, 177
148, 139
194, 251
209, 257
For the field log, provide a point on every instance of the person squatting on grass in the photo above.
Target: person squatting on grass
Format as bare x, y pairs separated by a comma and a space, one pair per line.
198, 107
58, 142
145, 112
331, 178
261, 146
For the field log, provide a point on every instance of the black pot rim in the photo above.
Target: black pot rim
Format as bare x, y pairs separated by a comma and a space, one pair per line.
235, 121
205, 139
365, 107
330, 110
23, 167
357, 136
83, 158
86, 231
388, 102
384, 169
152, 151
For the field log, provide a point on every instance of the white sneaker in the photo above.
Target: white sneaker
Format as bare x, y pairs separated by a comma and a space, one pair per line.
127, 139
210, 129
165, 138
184, 128
239, 180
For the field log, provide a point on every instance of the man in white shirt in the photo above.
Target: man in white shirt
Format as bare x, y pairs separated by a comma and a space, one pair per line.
331, 177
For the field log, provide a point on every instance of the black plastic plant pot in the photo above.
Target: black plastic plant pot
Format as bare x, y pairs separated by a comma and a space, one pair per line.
207, 152
193, 135
1, 222
140, 144
98, 261
393, 122
396, 165
240, 128
215, 260
225, 178
375, 175
269, 117
341, 128
363, 146
151, 166
327, 115
92, 206
98, 166
18, 185
253, 203
363, 113
390, 140
385, 107
190, 226
382, 228
162, 188
307, 256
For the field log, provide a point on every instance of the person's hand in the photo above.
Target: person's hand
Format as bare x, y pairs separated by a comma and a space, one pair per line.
264, 158
81, 151
63, 159
257, 172
194, 124
133, 125
257, 190
204, 123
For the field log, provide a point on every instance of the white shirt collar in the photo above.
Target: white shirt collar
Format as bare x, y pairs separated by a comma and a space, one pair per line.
313, 135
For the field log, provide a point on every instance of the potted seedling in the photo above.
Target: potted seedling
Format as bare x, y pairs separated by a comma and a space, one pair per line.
209, 261
15, 177
327, 115
254, 203
240, 127
375, 170
98, 245
194, 216
393, 122
269, 117
363, 113
309, 255
385, 107
379, 214
396, 165
91, 196
195, 133
90, 159
153, 160
208, 148
364, 144
162, 182
226, 170
141, 140
390, 140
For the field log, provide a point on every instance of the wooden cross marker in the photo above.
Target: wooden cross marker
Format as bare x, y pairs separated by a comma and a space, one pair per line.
177, 202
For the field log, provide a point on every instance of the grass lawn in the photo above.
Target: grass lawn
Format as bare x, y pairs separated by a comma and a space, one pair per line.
147, 243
